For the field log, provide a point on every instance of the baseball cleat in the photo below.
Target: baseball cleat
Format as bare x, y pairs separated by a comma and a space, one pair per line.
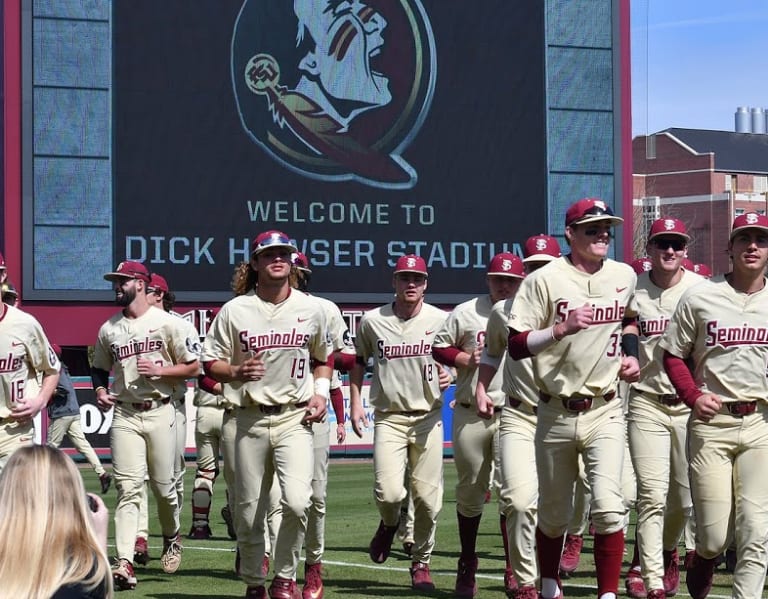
466, 586
569, 560
141, 551
171, 558
526, 592
123, 575
635, 585
510, 582
200, 532
313, 581
671, 577
699, 578
283, 588
381, 543
420, 577
258, 592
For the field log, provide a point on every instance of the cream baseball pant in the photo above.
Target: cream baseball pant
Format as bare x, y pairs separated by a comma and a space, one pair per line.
70, 426
598, 434
143, 442
415, 438
208, 425
727, 457
475, 449
13, 435
314, 542
657, 444
269, 444
519, 490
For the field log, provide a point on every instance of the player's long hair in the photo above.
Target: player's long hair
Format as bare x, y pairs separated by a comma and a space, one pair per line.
245, 278
47, 538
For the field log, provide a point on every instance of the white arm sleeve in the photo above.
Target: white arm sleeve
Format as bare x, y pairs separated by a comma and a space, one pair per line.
541, 339
494, 362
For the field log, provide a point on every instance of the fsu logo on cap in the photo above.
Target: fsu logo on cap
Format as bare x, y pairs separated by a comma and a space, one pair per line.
751, 218
541, 244
506, 264
669, 224
335, 90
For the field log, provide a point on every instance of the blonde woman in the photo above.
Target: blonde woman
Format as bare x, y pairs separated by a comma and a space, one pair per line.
64, 531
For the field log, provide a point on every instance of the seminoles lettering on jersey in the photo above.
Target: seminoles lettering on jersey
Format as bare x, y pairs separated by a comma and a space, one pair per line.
732, 336
390, 351
272, 340
11, 363
600, 314
136, 347
653, 327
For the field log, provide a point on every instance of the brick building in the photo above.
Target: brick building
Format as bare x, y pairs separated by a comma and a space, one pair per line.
704, 178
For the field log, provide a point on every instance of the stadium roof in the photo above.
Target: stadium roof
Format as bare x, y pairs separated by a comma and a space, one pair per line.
734, 152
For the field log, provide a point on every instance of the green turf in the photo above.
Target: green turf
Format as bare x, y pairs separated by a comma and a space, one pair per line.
207, 566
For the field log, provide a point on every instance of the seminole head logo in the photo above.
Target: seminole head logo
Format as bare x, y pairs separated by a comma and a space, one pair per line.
335, 89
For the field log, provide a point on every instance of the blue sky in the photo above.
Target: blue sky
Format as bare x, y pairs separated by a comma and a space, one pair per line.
695, 61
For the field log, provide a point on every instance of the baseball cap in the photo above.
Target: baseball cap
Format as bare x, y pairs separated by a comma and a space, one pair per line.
157, 282
541, 248
129, 270
668, 226
641, 265
411, 263
300, 261
687, 264
748, 220
702, 269
506, 264
589, 210
271, 239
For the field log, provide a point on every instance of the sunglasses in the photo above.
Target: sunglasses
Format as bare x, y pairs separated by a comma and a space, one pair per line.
594, 232
677, 245
598, 211
154, 290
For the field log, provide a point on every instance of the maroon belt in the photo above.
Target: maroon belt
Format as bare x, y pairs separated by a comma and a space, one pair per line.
279, 408
496, 409
741, 408
577, 403
146, 406
667, 399
515, 403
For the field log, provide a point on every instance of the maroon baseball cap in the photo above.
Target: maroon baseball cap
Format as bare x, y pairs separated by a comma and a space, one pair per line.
272, 239
411, 263
641, 265
749, 220
541, 248
668, 226
702, 269
506, 264
159, 283
687, 264
129, 270
301, 262
590, 210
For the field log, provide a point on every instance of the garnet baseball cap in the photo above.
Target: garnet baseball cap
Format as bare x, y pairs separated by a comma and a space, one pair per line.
687, 264
641, 265
749, 220
506, 264
301, 262
541, 248
668, 226
129, 270
702, 269
411, 263
271, 239
590, 210
158, 282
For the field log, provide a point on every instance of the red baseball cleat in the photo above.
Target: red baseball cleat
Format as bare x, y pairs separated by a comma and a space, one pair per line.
466, 586
420, 577
569, 560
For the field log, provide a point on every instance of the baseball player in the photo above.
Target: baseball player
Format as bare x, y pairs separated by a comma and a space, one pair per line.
459, 344
569, 316
284, 333
24, 353
150, 354
406, 396
716, 350
657, 418
64, 419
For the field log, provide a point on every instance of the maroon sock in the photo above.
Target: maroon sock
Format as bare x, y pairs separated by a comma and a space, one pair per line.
468, 535
609, 551
504, 539
549, 551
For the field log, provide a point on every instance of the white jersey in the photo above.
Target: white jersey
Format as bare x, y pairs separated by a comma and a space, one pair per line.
405, 373
725, 332
290, 335
155, 335
25, 353
464, 329
588, 362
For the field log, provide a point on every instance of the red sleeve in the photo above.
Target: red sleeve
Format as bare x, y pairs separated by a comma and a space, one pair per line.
680, 376
337, 401
207, 383
207, 367
343, 361
446, 355
517, 345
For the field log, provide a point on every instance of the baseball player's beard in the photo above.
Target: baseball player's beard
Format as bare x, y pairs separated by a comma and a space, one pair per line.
126, 298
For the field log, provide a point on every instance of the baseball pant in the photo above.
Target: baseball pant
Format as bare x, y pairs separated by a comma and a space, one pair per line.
314, 542
598, 435
727, 457
70, 426
14, 435
143, 442
208, 425
475, 449
657, 441
415, 439
519, 490
267, 445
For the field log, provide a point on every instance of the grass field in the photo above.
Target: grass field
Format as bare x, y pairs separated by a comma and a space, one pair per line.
207, 566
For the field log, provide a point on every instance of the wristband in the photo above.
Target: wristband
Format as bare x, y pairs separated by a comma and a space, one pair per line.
323, 387
96, 390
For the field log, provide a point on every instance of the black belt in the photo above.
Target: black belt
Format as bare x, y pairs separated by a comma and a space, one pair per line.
666, 399
577, 403
411, 412
279, 408
741, 408
515, 403
496, 409
146, 406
